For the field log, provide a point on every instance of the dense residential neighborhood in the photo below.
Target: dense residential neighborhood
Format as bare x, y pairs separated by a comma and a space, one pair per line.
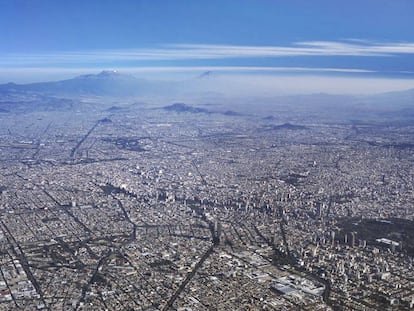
135, 207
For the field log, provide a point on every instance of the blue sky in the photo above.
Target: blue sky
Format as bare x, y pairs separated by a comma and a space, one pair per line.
355, 38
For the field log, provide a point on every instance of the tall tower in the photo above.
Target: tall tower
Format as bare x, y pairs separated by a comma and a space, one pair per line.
353, 238
332, 238
217, 232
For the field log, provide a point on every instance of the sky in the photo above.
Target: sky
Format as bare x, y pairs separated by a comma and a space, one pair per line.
353, 40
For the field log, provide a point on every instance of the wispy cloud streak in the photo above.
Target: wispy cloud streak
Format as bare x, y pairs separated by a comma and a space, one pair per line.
210, 51
177, 69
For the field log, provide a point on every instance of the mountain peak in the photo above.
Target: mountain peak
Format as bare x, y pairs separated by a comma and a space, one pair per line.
108, 73
105, 74
205, 75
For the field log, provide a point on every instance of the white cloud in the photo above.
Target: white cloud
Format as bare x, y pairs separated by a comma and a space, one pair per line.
360, 48
245, 69
352, 47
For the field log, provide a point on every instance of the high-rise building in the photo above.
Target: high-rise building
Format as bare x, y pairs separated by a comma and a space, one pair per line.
353, 239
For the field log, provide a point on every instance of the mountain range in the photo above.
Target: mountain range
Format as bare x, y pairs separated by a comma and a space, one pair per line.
119, 85
113, 83
106, 83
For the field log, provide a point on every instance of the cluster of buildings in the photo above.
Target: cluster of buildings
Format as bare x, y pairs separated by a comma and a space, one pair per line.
206, 212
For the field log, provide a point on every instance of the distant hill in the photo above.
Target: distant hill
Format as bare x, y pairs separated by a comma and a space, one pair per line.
231, 113
205, 75
287, 126
116, 109
180, 107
